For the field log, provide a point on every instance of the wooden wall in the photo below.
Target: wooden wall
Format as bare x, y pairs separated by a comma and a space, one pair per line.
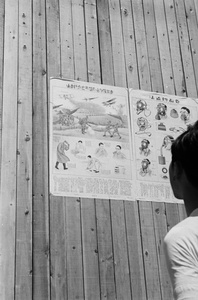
66, 248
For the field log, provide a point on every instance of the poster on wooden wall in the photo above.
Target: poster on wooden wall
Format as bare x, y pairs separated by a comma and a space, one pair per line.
113, 143
90, 141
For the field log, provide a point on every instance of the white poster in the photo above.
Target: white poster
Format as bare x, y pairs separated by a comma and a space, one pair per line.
90, 141
157, 119
113, 143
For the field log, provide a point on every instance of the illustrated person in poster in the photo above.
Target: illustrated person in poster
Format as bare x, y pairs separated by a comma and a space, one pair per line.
83, 124
181, 242
93, 164
115, 130
79, 148
101, 151
144, 148
145, 167
61, 156
118, 154
185, 114
108, 129
161, 111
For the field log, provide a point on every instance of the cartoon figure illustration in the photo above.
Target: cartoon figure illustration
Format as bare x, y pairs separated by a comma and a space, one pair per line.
83, 124
143, 125
61, 156
93, 164
108, 129
141, 106
185, 114
144, 148
161, 111
79, 148
117, 154
166, 144
115, 130
145, 167
101, 151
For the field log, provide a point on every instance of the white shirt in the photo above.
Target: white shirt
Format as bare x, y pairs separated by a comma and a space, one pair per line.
181, 250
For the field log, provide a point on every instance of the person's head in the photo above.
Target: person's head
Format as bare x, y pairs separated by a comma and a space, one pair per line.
145, 143
118, 147
184, 165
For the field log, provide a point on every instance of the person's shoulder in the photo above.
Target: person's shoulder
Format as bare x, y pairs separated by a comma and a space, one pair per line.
179, 229
182, 231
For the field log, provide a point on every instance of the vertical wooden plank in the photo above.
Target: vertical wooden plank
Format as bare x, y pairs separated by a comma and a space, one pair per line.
24, 157
58, 238
75, 278
2, 21
153, 47
105, 250
160, 232
80, 57
105, 44
53, 39
178, 76
66, 38
91, 30
129, 44
185, 49
164, 49
134, 243
122, 274
8, 166
182, 211
41, 276
141, 46
58, 248
117, 43
149, 251
196, 8
90, 250
172, 215
192, 31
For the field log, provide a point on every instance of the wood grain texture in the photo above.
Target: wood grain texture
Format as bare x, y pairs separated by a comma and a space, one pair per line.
41, 267
8, 185
24, 156
134, 244
105, 250
185, 49
149, 247
65, 247
2, 23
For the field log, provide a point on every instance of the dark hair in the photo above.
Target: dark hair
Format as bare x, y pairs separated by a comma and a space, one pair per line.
187, 109
185, 150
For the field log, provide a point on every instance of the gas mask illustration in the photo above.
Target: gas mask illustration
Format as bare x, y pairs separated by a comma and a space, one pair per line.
185, 114
161, 111
144, 148
141, 106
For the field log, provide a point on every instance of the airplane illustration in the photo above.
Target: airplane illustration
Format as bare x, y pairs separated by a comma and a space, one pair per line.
89, 99
56, 106
109, 102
